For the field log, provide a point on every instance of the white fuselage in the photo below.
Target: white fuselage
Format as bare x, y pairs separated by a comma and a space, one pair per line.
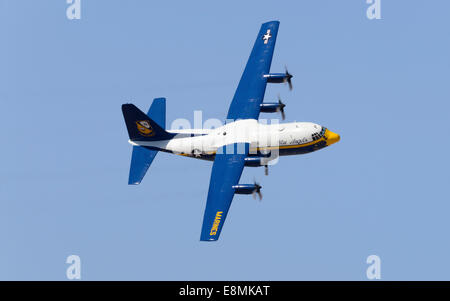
287, 137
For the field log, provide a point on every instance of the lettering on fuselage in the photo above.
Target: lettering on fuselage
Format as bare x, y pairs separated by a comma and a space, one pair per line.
216, 223
294, 141
298, 141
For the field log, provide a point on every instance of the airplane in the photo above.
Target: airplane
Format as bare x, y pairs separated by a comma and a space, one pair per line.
231, 147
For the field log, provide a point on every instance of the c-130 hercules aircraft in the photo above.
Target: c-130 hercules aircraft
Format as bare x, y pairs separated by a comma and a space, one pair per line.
243, 142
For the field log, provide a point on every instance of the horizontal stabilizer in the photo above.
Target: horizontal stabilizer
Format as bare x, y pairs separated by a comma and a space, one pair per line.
141, 160
141, 126
157, 112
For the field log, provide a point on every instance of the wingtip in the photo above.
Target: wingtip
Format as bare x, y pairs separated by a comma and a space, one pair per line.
208, 240
271, 22
207, 237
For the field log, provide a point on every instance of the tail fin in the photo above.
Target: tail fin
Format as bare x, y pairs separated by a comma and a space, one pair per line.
142, 157
141, 127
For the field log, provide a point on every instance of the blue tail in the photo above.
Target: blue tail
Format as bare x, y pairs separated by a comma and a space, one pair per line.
142, 157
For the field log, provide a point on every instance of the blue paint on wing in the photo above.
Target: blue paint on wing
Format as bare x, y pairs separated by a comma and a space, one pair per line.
226, 172
252, 86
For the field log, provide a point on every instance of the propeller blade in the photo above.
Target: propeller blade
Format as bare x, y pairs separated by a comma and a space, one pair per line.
281, 108
266, 170
288, 78
257, 191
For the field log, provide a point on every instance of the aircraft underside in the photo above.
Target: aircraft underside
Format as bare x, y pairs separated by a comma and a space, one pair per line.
233, 146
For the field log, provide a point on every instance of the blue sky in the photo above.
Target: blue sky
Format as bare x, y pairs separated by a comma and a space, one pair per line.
381, 84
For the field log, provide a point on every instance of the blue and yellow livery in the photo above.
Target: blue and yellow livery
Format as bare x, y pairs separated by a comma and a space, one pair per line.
231, 147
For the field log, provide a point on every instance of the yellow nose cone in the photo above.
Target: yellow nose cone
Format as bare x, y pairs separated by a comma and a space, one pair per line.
332, 137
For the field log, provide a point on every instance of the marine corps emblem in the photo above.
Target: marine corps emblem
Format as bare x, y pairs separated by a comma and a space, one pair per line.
145, 128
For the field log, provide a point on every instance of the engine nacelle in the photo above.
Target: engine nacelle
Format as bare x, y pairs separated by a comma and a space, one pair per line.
246, 188
262, 160
277, 78
271, 107
254, 162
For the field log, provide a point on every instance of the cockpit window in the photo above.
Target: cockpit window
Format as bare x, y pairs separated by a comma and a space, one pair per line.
318, 135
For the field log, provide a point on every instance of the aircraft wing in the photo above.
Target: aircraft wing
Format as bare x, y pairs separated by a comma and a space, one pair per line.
228, 166
252, 86
226, 172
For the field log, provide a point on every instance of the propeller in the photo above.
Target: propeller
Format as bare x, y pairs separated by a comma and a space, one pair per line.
281, 107
288, 78
257, 191
266, 170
